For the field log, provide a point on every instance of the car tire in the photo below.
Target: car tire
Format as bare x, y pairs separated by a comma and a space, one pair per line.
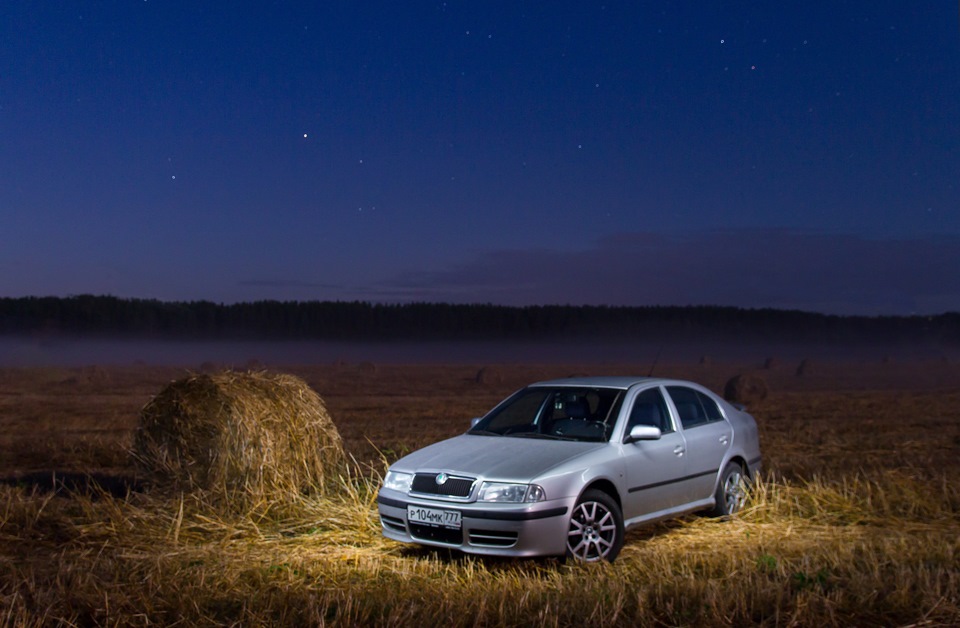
731, 491
595, 531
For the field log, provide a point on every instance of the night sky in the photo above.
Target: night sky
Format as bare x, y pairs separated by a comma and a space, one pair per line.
757, 154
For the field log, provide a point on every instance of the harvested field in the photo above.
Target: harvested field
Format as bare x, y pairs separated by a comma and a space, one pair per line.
856, 522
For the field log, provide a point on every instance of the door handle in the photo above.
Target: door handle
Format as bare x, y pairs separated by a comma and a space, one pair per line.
724, 439
679, 450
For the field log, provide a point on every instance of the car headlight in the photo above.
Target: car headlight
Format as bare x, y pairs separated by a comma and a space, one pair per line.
398, 481
512, 493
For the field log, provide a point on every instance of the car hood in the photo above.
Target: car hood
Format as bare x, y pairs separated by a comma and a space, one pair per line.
494, 457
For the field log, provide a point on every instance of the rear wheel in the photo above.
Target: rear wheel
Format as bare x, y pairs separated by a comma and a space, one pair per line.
596, 528
731, 491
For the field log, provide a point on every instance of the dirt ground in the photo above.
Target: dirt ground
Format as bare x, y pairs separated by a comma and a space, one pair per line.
856, 524
835, 417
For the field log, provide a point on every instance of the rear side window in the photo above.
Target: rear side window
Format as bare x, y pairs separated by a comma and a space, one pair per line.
710, 407
694, 407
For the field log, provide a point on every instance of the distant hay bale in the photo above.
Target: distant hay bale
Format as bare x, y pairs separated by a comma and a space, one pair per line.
239, 439
89, 377
96, 375
705, 360
367, 368
746, 388
805, 367
489, 375
770, 364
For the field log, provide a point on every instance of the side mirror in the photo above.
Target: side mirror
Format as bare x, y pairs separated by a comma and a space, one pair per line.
643, 432
474, 421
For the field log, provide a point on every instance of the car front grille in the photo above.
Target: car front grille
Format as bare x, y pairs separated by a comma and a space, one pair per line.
453, 536
454, 486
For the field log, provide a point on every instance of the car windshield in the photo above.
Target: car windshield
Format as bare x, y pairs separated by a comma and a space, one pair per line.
562, 413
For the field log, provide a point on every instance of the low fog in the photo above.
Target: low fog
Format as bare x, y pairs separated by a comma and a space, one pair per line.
17, 351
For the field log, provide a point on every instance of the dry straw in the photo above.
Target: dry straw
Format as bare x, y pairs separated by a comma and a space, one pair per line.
240, 440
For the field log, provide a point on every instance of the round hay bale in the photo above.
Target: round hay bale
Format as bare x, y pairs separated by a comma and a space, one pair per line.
96, 375
805, 367
705, 360
240, 439
770, 364
746, 388
489, 375
367, 368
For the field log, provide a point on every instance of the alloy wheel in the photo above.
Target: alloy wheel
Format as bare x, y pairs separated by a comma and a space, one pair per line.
734, 491
593, 531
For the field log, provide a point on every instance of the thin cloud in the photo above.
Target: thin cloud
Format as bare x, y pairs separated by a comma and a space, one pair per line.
837, 274
286, 283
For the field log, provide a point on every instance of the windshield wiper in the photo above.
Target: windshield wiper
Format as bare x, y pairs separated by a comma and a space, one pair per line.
484, 433
539, 435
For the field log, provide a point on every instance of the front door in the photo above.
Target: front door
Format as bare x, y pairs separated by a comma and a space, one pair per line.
654, 469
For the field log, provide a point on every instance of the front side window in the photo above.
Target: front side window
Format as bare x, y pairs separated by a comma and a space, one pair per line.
649, 408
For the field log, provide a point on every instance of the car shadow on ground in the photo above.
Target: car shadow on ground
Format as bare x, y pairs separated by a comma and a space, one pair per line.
72, 482
494, 563
507, 563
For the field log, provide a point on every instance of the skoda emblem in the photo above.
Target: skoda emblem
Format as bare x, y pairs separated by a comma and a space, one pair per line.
442, 478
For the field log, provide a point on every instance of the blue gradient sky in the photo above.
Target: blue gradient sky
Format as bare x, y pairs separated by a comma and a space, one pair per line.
790, 154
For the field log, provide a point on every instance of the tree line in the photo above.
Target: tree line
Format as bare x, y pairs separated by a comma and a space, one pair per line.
108, 315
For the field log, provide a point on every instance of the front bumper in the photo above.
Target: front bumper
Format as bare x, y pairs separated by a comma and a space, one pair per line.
538, 529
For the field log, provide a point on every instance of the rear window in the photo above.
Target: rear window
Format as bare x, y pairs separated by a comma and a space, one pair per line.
710, 407
694, 407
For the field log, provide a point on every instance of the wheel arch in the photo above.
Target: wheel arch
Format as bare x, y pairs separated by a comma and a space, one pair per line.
605, 486
735, 459
740, 460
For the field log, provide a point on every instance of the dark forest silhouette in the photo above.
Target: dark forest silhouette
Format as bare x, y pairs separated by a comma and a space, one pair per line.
142, 318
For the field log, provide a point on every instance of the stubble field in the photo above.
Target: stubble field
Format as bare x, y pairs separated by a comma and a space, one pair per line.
856, 520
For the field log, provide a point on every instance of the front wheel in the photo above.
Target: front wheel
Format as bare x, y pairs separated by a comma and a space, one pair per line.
731, 491
596, 528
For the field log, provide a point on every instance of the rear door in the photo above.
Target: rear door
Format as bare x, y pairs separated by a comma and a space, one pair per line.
708, 436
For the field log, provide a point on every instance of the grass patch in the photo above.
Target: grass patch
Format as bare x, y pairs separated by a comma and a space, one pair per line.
817, 552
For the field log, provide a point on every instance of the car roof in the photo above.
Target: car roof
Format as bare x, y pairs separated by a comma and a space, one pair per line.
609, 381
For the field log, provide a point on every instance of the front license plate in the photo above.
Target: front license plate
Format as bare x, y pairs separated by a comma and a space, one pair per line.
434, 517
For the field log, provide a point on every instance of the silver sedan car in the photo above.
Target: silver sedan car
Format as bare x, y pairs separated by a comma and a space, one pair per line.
563, 467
